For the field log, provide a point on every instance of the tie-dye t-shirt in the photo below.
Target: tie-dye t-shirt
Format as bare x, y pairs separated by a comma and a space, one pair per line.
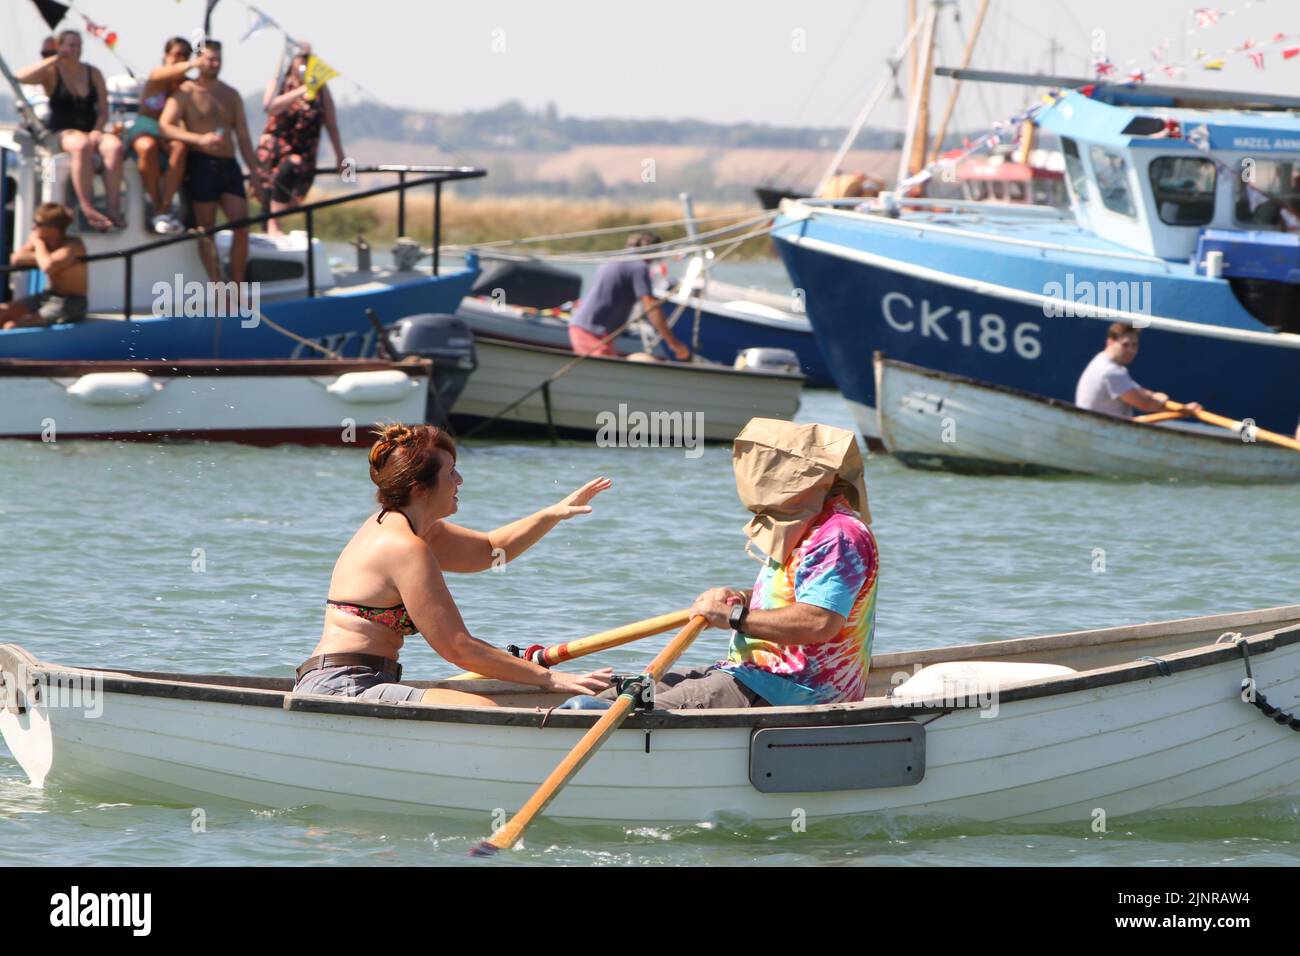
834, 566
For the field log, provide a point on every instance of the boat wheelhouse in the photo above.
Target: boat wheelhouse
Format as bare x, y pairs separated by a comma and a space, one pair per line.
1182, 204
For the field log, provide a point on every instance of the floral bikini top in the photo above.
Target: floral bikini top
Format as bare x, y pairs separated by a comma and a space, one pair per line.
395, 617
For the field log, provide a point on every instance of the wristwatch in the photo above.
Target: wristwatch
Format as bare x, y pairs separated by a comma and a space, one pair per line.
737, 617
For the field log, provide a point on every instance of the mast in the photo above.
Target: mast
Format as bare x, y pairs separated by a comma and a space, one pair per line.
912, 157
966, 54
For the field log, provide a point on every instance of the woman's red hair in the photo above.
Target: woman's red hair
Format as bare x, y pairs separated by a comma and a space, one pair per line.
404, 458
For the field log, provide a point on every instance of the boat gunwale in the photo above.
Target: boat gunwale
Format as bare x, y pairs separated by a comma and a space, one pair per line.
883, 361
670, 366
870, 710
232, 367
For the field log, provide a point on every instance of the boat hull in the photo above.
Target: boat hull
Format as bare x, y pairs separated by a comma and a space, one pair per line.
914, 306
246, 401
712, 401
337, 321
1127, 736
932, 420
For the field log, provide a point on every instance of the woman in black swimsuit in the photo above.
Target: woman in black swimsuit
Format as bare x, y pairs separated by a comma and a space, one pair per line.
388, 582
78, 114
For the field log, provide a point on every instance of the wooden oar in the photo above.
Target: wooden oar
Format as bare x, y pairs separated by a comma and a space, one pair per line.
604, 640
1231, 423
1158, 417
609, 722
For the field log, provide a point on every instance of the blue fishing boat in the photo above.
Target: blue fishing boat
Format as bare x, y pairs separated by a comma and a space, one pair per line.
149, 298
1183, 210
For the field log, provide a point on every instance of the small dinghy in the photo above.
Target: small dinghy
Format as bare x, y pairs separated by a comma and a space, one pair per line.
1123, 720
941, 421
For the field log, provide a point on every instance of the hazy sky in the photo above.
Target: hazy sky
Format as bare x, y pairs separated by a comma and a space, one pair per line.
809, 62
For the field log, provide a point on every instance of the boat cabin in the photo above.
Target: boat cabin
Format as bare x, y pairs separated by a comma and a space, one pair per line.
1156, 177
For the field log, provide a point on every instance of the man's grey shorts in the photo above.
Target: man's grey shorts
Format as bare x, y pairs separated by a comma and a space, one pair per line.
699, 688
364, 682
54, 308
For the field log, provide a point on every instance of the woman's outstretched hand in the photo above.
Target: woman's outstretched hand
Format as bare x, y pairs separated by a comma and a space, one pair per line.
577, 503
592, 683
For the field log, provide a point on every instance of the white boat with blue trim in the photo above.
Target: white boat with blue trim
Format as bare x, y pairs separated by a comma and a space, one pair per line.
1057, 729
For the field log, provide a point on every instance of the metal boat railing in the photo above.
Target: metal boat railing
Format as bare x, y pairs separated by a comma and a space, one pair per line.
435, 175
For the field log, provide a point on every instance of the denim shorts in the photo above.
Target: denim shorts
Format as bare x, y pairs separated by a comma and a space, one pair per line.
364, 682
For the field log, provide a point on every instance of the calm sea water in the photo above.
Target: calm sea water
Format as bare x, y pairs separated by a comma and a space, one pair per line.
96, 570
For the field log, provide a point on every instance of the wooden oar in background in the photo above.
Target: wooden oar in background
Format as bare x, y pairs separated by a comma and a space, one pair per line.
615, 637
600, 731
1260, 434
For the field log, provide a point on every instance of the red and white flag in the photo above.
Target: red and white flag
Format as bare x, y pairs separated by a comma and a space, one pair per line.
1290, 52
1206, 16
1258, 59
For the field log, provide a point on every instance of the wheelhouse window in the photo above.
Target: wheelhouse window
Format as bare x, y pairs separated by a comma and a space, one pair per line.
1111, 171
1268, 194
1183, 187
1074, 169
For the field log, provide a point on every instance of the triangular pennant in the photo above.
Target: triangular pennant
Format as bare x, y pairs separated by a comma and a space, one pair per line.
1213, 64
51, 11
1290, 52
317, 74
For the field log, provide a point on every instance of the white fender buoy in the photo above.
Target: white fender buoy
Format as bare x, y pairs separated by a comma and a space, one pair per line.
114, 388
366, 388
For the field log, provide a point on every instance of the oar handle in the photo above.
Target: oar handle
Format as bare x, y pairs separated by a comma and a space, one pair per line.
609, 722
615, 637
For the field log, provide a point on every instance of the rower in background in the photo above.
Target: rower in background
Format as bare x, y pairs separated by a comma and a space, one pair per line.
1106, 385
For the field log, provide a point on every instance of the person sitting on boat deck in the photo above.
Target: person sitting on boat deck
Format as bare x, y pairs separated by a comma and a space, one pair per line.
78, 116
145, 136
1106, 385
50, 249
604, 311
803, 634
388, 582
208, 117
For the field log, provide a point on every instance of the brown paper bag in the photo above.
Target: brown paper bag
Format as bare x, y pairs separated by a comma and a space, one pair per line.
784, 474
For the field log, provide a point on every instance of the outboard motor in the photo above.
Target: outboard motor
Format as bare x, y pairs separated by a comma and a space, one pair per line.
447, 342
769, 360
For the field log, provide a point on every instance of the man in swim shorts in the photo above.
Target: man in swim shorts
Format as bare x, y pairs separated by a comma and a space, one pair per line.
50, 249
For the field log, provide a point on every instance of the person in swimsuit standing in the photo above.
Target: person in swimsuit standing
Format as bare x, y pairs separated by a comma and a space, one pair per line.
145, 137
388, 582
78, 114
208, 117
288, 145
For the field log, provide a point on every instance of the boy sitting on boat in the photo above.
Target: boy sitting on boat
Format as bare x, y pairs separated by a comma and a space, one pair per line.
1106, 385
50, 249
803, 635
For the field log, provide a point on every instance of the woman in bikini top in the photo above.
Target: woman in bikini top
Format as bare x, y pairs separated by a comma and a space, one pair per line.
388, 581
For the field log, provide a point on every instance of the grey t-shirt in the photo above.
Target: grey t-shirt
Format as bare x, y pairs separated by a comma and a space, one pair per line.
1101, 385
616, 288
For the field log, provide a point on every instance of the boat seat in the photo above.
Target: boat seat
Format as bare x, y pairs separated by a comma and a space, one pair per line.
961, 679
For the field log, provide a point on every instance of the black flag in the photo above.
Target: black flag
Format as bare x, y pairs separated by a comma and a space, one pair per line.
51, 11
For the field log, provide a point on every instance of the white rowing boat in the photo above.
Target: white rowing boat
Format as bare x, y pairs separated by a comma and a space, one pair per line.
1123, 720
937, 420
667, 399
254, 401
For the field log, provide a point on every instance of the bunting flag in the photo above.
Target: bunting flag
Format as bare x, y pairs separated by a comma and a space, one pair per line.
1213, 64
1137, 76
102, 32
318, 73
51, 12
1258, 59
1102, 67
257, 22
1290, 52
1206, 16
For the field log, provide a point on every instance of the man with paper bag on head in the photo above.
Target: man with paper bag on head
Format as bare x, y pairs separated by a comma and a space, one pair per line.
803, 634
